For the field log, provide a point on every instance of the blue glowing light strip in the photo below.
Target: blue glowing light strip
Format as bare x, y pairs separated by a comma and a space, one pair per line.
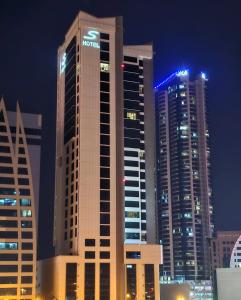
178, 73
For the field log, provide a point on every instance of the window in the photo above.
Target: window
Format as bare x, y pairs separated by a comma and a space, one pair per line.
71, 281
104, 219
105, 281
8, 268
105, 139
132, 236
26, 279
89, 242
8, 213
104, 67
8, 246
8, 234
104, 56
26, 213
104, 118
133, 254
104, 243
7, 202
105, 172
8, 291
27, 257
149, 282
27, 235
132, 214
104, 97
8, 257
26, 291
8, 279
104, 36
104, 183
131, 281
104, 206
24, 192
131, 115
104, 254
27, 268
25, 202
26, 224
105, 195
104, 230
23, 181
89, 281
89, 254
132, 225
27, 246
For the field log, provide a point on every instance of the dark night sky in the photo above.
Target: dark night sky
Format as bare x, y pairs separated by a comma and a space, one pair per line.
201, 35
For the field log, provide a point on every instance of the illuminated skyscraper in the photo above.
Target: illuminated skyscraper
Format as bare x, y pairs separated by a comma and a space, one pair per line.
183, 183
20, 137
92, 261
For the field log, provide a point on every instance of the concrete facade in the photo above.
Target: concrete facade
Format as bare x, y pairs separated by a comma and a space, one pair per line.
229, 283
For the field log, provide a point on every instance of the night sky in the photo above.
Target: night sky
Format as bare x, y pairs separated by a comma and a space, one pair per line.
199, 35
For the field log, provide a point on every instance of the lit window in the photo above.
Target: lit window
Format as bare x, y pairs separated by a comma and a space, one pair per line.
25, 202
26, 213
131, 115
8, 246
132, 214
104, 67
7, 202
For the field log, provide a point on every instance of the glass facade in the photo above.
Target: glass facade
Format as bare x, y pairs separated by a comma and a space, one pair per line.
183, 178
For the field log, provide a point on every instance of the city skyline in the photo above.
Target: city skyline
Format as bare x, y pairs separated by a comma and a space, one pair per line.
225, 108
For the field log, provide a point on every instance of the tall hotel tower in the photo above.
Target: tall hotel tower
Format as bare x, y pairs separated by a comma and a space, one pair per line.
92, 261
183, 184
139, 145
20, 137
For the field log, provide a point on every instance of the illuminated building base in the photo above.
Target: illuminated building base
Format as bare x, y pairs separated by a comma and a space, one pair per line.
72, 277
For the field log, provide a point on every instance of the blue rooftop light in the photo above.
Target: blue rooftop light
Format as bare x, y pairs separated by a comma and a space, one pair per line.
180, 73
204, 76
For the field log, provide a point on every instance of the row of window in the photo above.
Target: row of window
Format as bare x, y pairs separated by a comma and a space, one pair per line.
13, 202
24, 213
102, 255
15, 246
14, 279
13, 291
91, 243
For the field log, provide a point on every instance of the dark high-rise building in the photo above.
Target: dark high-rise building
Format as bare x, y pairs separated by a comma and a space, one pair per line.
20, 137
183, 176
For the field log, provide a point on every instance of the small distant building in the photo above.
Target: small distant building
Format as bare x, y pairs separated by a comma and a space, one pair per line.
235, 261
229, 279
221, 248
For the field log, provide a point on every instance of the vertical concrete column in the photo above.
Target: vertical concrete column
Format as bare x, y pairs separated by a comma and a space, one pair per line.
140, 281
97, 280
157, 281
81, 281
